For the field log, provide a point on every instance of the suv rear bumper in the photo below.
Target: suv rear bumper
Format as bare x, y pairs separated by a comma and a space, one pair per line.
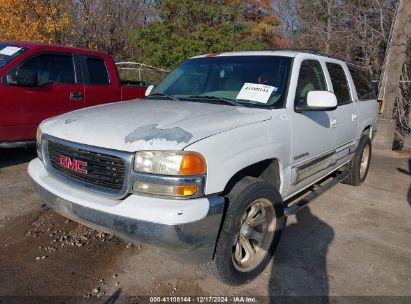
179, 234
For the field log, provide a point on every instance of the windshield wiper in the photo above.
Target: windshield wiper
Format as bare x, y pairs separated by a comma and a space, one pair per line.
164, 95
202, 97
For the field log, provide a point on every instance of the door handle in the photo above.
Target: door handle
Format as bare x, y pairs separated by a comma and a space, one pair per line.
354, 117
76, 96
333, 122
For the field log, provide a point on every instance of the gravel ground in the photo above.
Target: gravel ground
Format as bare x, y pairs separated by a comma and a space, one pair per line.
352, 241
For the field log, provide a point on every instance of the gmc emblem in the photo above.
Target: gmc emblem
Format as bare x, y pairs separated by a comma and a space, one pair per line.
73, 164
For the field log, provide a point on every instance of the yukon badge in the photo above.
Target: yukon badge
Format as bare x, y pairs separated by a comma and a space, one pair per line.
73, 164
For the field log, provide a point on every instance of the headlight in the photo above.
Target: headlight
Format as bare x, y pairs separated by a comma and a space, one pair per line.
175, 174
38, 143
170, 163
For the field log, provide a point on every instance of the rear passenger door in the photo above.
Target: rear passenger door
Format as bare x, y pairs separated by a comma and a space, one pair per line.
347, 113
99, 87
366, 98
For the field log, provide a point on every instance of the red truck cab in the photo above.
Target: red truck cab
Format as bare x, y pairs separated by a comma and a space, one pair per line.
38, 81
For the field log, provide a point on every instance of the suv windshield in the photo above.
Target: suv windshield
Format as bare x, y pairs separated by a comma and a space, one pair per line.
237, 80
9, 52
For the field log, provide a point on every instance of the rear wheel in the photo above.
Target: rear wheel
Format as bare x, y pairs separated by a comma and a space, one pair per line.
360, 163
250, 233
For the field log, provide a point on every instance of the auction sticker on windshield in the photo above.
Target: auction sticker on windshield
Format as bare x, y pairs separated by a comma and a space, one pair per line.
256, 92
9, 50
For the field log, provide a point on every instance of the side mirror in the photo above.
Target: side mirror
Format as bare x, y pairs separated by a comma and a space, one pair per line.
319, 101
149, 89
24, 78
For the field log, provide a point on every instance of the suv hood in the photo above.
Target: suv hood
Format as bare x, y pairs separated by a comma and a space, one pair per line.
150, 124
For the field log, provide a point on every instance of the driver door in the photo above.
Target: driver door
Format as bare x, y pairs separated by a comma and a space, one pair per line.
313, 133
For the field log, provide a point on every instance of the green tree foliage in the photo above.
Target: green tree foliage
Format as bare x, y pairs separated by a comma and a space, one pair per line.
185, 28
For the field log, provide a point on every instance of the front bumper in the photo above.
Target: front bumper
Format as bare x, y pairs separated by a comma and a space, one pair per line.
184, 230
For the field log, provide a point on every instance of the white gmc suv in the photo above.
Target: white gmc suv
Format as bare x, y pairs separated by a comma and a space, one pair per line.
207, 166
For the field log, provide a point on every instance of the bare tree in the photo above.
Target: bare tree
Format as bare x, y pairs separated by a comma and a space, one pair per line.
107, 25
353, 29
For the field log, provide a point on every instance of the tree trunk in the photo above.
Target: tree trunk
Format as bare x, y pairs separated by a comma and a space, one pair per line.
395, 57
328, 41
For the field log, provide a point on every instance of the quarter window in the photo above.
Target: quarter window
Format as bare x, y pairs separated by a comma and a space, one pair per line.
311, 78
363, 85
97, 71
52, 68
340, 84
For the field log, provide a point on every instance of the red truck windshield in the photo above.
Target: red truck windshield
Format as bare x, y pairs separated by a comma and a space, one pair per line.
9, 52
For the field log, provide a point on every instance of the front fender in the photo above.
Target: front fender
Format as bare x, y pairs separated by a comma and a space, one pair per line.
229, 152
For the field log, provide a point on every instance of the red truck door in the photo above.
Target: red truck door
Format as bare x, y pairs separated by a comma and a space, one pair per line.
101, 82
58, 90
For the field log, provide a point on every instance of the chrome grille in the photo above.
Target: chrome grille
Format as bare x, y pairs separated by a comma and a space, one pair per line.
103, 170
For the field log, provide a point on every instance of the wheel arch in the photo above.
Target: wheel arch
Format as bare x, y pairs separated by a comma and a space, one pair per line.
367, 127
367, 130
269, 170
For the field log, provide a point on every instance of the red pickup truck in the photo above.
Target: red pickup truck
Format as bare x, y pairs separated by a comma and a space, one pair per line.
38, 81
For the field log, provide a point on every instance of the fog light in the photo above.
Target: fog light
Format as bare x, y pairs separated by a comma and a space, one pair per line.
165, 190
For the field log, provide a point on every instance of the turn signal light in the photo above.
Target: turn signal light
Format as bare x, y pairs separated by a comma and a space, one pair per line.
187, 190
192, 164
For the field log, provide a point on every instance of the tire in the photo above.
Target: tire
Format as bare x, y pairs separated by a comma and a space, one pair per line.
360, 163
255, 212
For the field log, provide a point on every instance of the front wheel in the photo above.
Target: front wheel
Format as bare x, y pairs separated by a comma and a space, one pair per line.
250, 233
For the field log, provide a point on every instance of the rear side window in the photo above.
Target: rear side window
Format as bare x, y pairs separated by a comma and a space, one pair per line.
311, 78
340, 83
97, 71
363, 85
52, 68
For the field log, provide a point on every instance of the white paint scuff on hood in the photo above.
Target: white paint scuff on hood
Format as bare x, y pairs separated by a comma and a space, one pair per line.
150, 124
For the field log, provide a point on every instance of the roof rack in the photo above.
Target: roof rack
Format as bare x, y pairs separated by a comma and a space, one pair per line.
316, 52
308, 50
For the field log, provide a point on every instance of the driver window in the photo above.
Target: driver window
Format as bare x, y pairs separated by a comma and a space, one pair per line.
52, 68
311, 78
